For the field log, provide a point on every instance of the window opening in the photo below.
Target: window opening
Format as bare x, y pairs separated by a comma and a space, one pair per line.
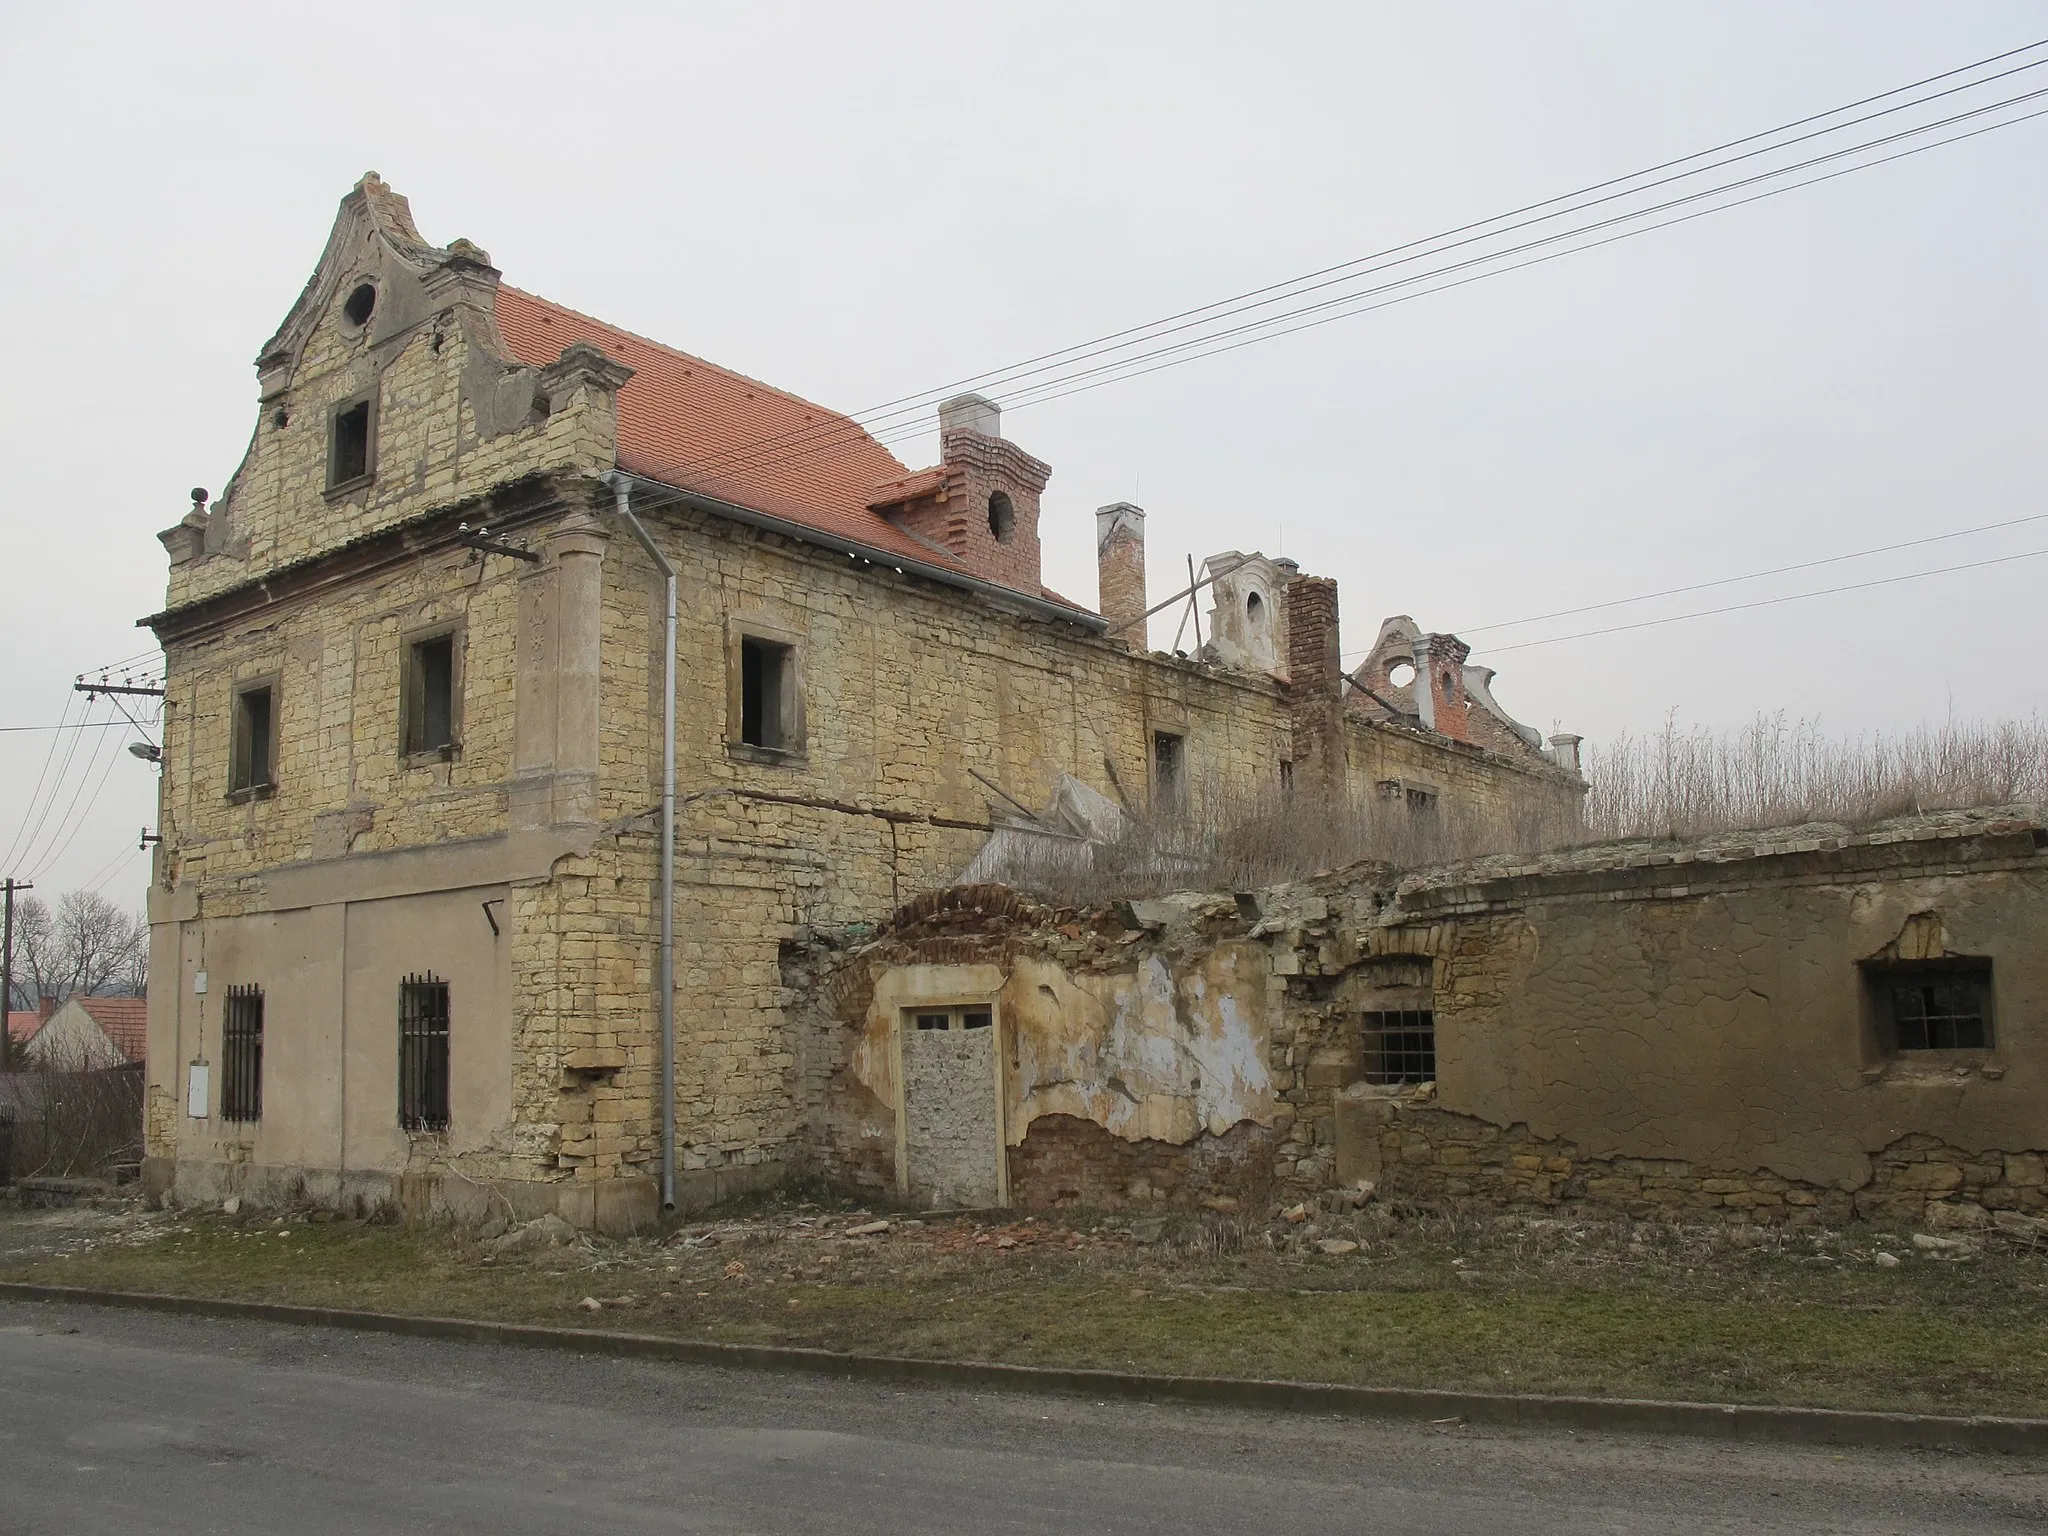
975, 1016
430, 695
1168, 763
241, 1066
1255, 608
349, 458
1936, 1006
423, 1053
1400, 1046
764, 693
359, 305
254, 760
1420, 800
1002, 516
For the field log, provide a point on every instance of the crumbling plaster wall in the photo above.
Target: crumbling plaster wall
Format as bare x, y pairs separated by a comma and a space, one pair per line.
1099, 1024
1658, 1036
1657, 1031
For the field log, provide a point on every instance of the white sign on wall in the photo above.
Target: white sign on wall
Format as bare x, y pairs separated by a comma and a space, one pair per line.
196, 1090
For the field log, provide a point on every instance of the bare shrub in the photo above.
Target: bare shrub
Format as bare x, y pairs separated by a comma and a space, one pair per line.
68, 1122
1691, 781
1681, 782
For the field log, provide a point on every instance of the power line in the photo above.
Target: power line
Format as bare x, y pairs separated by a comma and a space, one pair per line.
76, 725
1730, 581
872, 418
56, 788
73, 819
1770, 602
1347, 305
854, 440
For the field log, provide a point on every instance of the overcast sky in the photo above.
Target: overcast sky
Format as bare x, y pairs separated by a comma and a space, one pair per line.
859, 201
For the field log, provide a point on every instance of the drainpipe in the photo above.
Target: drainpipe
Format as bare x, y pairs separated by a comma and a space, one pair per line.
622, 494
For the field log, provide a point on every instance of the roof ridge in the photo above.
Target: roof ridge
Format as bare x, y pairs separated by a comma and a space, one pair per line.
692, 357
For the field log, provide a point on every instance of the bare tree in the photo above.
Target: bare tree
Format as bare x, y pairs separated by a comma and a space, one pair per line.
88, 947
35, 945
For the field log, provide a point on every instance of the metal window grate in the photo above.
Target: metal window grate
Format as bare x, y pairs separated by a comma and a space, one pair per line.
1941, 1013
1400, 1046
423, 1054
241, 1052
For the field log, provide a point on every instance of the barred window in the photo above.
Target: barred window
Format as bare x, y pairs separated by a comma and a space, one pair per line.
241, 1067
1400, 1046
1934, 1005
423, 1054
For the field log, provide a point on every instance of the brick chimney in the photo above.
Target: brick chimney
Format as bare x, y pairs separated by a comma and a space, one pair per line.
980, 503
1439, 686
45, 1008
1315, 672
1120, 571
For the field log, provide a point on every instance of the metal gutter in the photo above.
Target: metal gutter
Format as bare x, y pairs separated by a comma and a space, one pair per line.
622, 504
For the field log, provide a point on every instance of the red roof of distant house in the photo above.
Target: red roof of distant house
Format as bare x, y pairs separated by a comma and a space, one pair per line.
123, 1020
22, 1027
699, 427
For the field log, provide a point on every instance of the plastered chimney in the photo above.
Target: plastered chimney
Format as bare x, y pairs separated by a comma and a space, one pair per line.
1120, 571
971, 413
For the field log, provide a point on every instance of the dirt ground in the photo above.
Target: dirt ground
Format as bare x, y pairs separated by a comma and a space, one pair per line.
1856, 1318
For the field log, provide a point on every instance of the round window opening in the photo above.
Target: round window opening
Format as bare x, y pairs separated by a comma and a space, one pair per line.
1255, 608
357, 307
1002, 517
1401, 674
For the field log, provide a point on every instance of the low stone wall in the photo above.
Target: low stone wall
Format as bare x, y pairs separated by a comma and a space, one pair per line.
1414, 1152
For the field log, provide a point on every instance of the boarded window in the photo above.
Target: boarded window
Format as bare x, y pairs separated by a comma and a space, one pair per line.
767, 683
1400, 1046
423, 1054
254, 754
1935, 1005
429, 695
348, 457
241, 1053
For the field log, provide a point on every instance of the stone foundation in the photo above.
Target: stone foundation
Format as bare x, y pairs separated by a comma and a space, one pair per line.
1413, 1152
616, 1207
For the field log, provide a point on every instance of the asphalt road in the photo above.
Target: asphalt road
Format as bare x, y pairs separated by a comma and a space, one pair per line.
114, 1422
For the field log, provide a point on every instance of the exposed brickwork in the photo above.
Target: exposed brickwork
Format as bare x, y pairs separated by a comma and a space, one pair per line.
958, 514
1064, 1161
1315, 676
1120, 572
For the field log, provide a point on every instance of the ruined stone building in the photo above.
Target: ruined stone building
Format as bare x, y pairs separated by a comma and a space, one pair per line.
1808, 1025
407, 915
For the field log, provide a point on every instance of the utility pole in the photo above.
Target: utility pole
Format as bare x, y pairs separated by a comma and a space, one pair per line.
7, 966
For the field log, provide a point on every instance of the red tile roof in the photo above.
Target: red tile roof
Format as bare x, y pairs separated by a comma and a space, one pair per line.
22, 1027
123, 1020
699, 427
